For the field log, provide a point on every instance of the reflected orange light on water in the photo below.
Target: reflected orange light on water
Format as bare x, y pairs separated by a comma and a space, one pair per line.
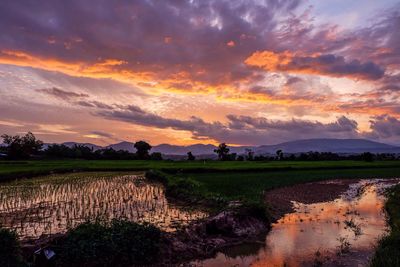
313, 231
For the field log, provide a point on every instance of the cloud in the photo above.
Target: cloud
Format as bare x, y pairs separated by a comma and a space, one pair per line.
102, 134
173, 42
327, 64
385, 127
239, 129
59, 93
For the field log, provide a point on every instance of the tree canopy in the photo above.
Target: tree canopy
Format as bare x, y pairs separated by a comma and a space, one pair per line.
21, 147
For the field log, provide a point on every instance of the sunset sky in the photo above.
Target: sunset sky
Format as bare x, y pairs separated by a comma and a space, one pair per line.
245, 72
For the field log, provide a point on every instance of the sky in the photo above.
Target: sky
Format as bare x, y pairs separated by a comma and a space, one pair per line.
244, 72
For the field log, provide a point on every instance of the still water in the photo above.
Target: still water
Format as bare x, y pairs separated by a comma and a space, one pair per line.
52, 204
342, 232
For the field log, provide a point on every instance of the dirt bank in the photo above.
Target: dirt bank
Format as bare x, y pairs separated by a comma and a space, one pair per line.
280, 200
205, 238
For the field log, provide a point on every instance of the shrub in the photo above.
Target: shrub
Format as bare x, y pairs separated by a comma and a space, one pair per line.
118, 243
10, 251
256, 210
184, 189
136, 243
157, 176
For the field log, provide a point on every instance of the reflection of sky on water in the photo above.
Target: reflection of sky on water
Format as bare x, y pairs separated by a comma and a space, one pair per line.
296, 237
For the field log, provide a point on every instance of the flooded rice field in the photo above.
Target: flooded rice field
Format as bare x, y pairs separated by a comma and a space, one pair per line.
342, 232
52, 204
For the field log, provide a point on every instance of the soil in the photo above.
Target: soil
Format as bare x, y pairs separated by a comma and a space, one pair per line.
280, 200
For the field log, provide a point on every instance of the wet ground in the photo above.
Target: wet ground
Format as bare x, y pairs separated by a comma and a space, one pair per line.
339, 231
50, 205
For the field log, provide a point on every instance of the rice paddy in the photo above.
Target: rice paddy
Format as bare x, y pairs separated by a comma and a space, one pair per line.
52, 204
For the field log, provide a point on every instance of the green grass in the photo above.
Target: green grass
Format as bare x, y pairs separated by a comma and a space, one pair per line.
388, 251
32, 168
250, 185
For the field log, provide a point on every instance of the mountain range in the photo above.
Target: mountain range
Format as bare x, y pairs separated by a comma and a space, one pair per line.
347, 146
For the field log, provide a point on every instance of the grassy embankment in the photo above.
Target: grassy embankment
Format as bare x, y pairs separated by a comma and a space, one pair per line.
13, 169
388, 251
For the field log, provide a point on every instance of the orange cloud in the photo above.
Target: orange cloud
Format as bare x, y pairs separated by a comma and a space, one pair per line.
317, 64
102, 69
178, 82
231, 43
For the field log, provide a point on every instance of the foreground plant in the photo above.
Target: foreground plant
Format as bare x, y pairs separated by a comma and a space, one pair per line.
10, 251
119, 243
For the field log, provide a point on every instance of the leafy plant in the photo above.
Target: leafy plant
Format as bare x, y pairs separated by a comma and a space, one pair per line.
10, 251
118, 243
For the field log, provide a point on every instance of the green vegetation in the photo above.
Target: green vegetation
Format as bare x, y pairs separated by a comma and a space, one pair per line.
181, 188
388, 251
119, 243
10, 251
250, 185
12, 169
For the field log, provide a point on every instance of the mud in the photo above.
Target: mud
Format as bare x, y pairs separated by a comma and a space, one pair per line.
280, 201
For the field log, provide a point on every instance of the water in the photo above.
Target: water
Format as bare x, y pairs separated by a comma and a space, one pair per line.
342, 232
52, 204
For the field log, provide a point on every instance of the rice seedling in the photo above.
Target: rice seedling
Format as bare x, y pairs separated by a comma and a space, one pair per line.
56, 203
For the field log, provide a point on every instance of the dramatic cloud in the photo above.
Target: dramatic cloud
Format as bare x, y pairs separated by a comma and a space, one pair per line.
238, 71
385, 127
328, 64
239, 129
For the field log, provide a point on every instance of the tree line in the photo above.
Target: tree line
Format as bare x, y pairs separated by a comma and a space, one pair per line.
27, 146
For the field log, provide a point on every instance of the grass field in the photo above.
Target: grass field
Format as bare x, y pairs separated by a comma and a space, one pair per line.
250, 185
388, 251
11, 169
228, 179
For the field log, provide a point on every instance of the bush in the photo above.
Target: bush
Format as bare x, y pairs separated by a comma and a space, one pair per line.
118, 243
156, 176
137, 243
255, 209
184, 189
10, 251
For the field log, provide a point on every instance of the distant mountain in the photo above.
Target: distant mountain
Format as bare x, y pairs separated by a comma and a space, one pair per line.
92, 146
207, 151
329, 145
128, 146
197, 149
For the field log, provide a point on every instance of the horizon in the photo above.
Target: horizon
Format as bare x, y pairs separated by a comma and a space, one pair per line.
230, 145
246, 73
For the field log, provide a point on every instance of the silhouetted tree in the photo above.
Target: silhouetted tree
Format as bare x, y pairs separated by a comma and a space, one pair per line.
249, 154
279, 154
21, 147
142, 149
232, 156
156, 156
367, 156
222, 151
190, 156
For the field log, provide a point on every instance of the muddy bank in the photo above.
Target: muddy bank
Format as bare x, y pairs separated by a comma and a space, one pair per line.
279, 201
205, 238
198, 240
